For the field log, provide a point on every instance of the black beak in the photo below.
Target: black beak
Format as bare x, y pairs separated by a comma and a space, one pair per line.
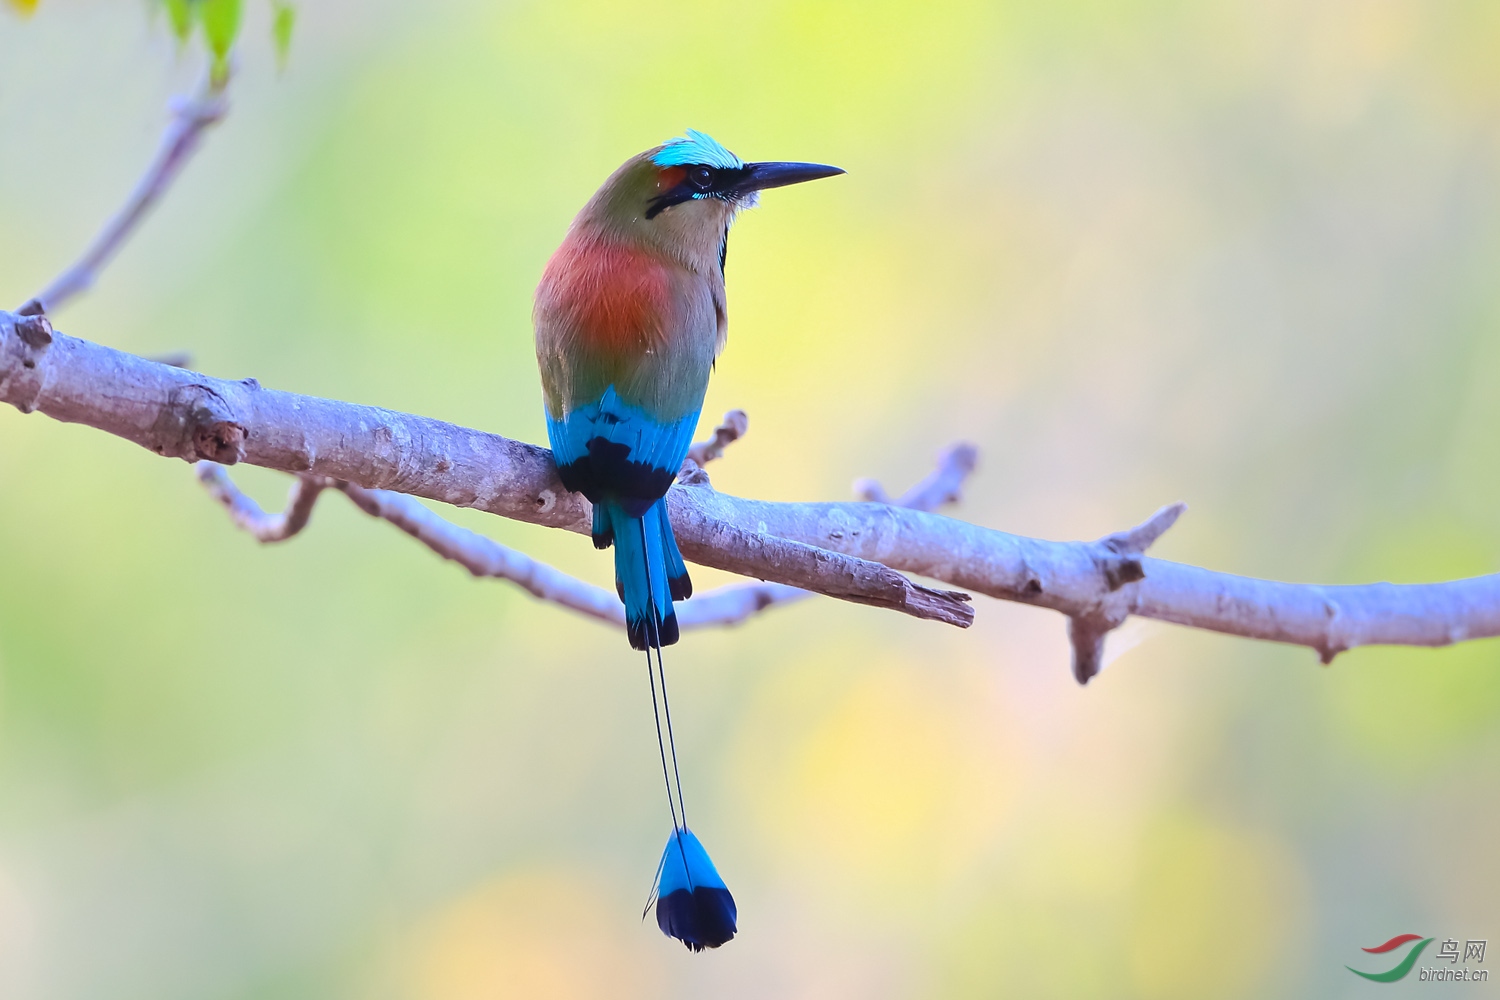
760, 176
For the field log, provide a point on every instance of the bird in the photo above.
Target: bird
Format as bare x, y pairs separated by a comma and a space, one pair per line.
630, 318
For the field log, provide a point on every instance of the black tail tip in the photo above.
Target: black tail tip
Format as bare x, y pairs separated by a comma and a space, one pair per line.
680, 587
703, 918
642, 635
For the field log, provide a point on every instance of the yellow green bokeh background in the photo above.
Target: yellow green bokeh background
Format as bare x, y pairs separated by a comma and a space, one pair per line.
1237, 253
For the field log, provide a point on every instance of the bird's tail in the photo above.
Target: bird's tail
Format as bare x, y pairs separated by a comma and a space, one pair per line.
649, 571
692, 903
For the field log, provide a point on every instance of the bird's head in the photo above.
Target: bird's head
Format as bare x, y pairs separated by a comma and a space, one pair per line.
683, 194
695, 170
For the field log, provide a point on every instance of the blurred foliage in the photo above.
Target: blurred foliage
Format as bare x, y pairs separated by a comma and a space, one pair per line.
1238, 253
220, 24
283, 20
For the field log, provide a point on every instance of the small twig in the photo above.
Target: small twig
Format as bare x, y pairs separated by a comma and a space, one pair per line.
1119, 562
485, 557
247, 514
481, 556
942, 486
1135, 541
730, 430
735, 603
191, 117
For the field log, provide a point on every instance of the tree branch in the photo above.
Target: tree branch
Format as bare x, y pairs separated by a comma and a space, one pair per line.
481, 556
182, 414
839, 549
484, 557
191, 117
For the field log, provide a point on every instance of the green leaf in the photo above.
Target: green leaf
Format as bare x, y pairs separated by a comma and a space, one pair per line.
180, 14
283, 20
221, 23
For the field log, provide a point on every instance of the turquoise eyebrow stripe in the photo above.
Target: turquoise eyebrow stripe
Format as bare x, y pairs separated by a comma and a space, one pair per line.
695, 148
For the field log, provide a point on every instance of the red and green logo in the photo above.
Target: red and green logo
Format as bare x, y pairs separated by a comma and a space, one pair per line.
1402, 967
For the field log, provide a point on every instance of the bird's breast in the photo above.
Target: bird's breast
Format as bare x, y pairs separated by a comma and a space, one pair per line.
612, 313
613, 299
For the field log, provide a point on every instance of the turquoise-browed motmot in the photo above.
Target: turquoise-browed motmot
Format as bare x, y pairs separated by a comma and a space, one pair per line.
630, 316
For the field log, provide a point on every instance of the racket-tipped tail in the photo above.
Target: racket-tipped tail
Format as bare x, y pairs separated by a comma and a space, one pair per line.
692, 903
